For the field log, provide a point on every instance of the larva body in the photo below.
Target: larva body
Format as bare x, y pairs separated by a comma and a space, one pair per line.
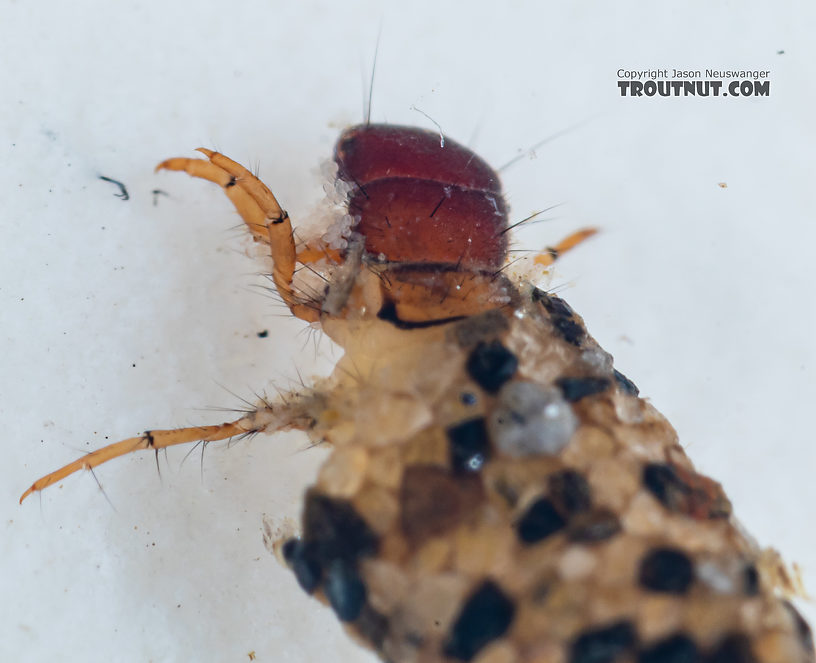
497, 491
544, 513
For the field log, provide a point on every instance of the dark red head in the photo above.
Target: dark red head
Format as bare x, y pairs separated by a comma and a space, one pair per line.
422, 199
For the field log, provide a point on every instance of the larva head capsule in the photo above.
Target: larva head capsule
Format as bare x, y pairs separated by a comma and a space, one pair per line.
423, 198
432, 222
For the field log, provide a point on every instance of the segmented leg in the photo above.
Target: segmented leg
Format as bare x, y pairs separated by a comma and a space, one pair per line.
261, 212
552, 253
300, 412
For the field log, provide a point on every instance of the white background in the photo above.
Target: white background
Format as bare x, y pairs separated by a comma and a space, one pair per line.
118, 316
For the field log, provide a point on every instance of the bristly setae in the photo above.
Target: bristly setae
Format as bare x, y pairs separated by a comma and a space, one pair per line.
497, 491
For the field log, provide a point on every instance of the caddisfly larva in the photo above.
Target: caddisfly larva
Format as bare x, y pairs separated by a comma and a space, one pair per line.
497, 490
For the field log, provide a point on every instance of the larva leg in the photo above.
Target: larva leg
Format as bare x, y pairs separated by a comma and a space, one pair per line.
552, 253
298, 412
263, 215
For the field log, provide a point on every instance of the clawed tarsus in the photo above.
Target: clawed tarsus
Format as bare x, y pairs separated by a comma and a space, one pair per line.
297, 413
266, 219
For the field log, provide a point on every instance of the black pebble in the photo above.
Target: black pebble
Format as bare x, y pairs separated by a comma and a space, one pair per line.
674, 649
569, 490
603, 645
540, 521
467, 398
663, 482
625, 383
751, 580
594, 526
345, 590
561, 316
491, 365
553, 304
569, 330
666, 570
468, 445
334, 530
486, 616
304, 564
574, 389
